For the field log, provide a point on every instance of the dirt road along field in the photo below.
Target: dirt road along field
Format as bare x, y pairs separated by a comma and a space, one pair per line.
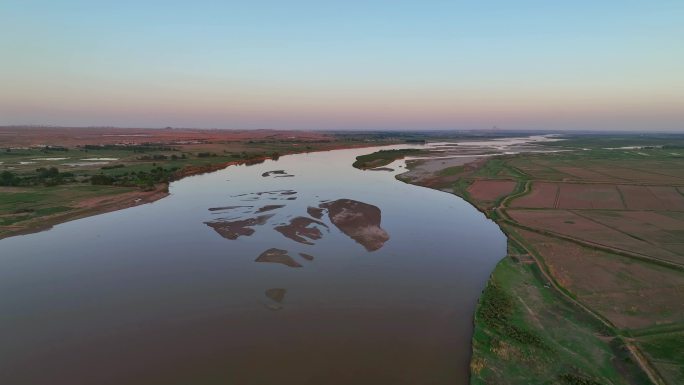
595, 273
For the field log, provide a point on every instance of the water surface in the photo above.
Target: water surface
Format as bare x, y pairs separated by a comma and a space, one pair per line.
157, 295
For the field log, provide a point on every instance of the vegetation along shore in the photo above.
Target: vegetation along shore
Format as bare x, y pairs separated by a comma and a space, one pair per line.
88, 171
590, 291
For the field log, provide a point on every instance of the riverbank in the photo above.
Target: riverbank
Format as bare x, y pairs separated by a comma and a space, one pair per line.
90, 205
87, 172
568, 302
105, 199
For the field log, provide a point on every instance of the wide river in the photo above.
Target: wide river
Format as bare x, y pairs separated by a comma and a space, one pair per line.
316, 274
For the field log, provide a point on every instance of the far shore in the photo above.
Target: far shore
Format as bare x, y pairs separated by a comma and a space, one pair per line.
109, 203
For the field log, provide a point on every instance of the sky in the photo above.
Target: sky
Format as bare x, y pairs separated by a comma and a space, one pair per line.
545, 65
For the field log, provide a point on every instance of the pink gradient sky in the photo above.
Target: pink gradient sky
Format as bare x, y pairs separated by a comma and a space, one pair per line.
336, 65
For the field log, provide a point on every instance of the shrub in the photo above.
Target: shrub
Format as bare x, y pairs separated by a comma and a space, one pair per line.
8, 178
101, 179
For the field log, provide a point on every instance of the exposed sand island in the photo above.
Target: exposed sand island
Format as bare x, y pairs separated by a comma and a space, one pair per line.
302, 230
315, 212
360, 221
274, 173
269, 208
235, 229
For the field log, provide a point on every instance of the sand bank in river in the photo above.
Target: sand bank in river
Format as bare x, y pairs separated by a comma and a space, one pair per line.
238, 228
359, 221
302, 230
274, 255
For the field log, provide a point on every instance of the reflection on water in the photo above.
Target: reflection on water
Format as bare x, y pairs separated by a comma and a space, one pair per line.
151, 295
277, 296
274, 255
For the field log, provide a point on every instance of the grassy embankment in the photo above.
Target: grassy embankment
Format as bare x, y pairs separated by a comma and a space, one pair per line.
382, 158
567, 306
527, 333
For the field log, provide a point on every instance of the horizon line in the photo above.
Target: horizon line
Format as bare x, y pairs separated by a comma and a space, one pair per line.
360, 130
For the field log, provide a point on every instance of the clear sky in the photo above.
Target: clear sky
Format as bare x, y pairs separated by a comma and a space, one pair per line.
545, 64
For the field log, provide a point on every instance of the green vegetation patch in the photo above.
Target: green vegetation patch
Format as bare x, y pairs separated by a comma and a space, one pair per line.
496, 312
30, 203
451, 171
13, 201
666, 352
383, 157
526, 333
10, 220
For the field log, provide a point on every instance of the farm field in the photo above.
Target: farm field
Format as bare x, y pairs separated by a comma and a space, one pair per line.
599, 227
630, 294
491, 190
573, 226
542, 195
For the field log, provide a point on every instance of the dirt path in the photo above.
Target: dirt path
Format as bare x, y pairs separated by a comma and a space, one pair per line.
645, 364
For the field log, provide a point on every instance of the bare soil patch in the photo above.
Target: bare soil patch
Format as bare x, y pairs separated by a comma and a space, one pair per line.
578, 227
640, 198
78, 136
669, 197
589, 196
542, 195
584, 174
630, 294
491, 190
652, 226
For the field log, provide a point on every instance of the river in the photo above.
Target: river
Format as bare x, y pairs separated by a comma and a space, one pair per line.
317, 273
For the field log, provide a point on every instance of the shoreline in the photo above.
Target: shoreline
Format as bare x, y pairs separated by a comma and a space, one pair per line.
130, 199
110, 204
518, 273
491, 274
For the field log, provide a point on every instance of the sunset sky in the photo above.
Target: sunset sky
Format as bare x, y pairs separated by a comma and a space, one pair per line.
604, 65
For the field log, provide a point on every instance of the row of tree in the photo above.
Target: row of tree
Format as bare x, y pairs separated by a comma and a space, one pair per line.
45, 176
143, 179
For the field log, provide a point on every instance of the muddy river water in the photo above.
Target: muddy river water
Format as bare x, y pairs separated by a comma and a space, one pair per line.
297, 271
